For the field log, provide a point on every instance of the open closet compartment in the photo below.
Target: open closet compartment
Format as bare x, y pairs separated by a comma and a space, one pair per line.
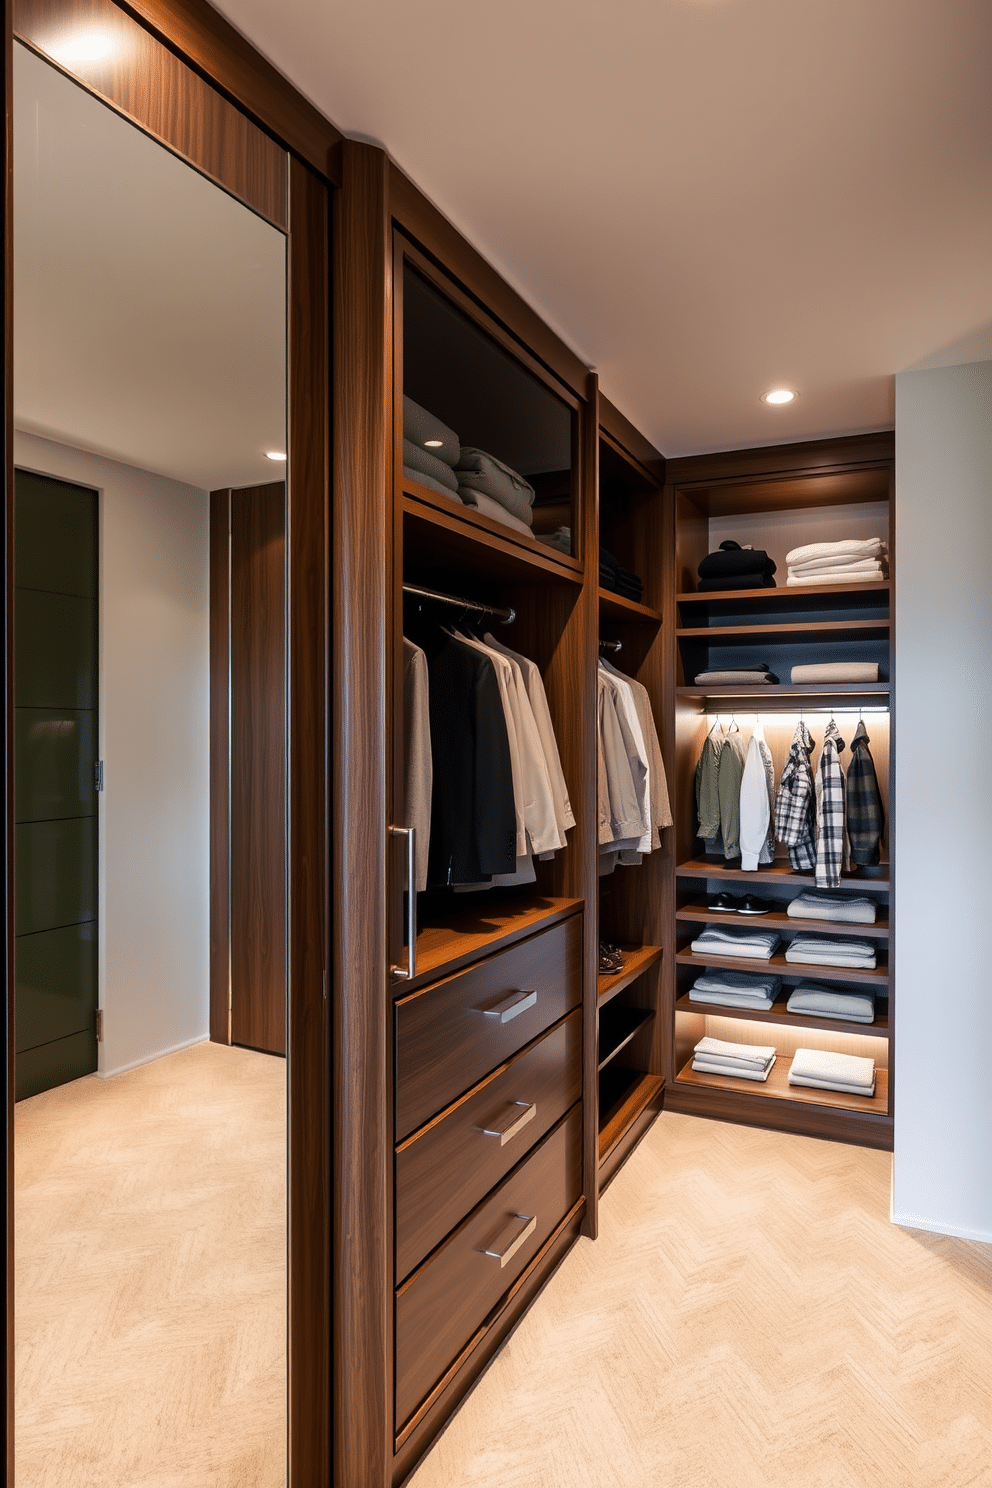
777, 501
492, 991
634, 899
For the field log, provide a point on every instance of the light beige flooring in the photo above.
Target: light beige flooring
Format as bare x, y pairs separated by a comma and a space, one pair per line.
151, 1277
749, 1318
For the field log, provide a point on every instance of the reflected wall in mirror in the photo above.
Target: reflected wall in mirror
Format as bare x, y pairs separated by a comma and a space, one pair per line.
150, 801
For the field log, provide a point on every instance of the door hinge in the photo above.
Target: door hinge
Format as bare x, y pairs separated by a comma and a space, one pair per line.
99, 1025
98, 775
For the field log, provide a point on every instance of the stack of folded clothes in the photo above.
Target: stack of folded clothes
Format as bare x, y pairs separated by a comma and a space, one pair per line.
430, 450
836, 671
817, 1001
736, 989
853, 561
817, 904
825, 1071
739, 1061
492, 488
613, 575
719, 940
825, 950
561, 539
752, 676
734, 567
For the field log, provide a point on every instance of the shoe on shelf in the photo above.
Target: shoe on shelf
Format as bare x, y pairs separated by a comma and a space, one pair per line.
752, 905
728, 903
610, 959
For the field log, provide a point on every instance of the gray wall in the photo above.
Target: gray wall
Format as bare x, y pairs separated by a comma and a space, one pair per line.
943, 818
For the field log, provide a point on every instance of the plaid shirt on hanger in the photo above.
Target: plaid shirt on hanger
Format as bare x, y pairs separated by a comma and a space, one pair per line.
865, 817
830, 811
794, 807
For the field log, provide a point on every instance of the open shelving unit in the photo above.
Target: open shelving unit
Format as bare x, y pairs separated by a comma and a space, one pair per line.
776, 500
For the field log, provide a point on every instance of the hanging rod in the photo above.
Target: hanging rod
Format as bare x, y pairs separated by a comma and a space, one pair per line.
611, 645
507, 616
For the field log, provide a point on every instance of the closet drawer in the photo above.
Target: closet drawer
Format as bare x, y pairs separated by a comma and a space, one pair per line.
450, 1035
439, 1310
444, 1172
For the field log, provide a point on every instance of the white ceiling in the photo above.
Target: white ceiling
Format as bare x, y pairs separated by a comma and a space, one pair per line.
707, 198
149, 306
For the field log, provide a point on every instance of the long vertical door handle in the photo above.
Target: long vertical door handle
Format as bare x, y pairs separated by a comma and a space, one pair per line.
409, 971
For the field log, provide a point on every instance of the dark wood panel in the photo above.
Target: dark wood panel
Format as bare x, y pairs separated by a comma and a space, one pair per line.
636, 961
310, 898
148, 83
8, 778
781, 1115
636, 1128
441, 1307
777, 873
467, 932
443, 1171
631, 441
363, 1260
220, 860
700, 913
450, 1035
258, 767
812, 457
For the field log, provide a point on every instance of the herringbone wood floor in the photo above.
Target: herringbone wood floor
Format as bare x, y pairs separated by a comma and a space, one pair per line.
151, 1277
749, 1318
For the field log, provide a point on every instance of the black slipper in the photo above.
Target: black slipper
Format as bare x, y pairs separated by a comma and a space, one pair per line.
729, 903
752, 905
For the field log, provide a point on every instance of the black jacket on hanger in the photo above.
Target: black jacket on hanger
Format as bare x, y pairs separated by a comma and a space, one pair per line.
473, 819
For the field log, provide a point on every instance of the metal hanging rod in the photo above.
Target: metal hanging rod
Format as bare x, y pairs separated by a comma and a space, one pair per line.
611, 645
507, 616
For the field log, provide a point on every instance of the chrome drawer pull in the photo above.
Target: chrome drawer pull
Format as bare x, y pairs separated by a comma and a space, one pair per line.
517, 1124
405, 973
511, 1007
529, 1222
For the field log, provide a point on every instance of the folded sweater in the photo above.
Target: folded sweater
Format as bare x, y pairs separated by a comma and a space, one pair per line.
715, 941
419, 459
423, 429
815, 1001
494, 509
853, 547
737, 581
836, 671
725, 999
755, 1055
825, 566
483, 472
815, 904
733, 1072
837, 576
729, 678
739, 983
731, 559
823, 1064
423, 479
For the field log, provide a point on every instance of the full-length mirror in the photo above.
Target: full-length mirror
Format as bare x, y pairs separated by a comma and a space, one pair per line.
150, 771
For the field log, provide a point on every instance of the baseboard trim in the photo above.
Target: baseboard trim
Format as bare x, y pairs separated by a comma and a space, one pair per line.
122, 1069
957, 1232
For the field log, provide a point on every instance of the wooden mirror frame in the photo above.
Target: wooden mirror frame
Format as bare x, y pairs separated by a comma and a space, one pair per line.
192, 82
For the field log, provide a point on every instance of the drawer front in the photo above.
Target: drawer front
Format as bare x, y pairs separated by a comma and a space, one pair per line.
440, 1309
443, 1172
449, 1036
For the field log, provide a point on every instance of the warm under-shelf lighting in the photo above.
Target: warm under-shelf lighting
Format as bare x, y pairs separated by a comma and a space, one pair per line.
274, 455
780, 395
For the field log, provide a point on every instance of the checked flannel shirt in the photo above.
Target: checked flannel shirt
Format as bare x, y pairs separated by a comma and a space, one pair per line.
795, 806
865, 817
830, 810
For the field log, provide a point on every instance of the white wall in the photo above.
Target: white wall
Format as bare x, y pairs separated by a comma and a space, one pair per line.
943, 817
154, 740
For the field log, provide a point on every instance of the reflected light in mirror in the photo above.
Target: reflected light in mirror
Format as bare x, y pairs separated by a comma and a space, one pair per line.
84, 46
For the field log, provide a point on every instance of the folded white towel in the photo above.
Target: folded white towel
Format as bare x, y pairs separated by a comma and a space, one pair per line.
736, 953
837, 671
824, 1064
827, 565
861, 547
866, 1090
837, 576
820, 1002
728, 999
758, 1054
814, 905
707, 1067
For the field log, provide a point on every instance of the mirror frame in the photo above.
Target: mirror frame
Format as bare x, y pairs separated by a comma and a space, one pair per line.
189, 73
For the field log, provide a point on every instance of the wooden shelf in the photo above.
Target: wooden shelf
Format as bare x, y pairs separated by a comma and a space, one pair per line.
804, 593
458, 537
777, 873
479, 929
616, 607
624, 1094
786, 633
617, 1028
636, 961
699, 914
779, 1013
778, 965
783, 697
777, 1087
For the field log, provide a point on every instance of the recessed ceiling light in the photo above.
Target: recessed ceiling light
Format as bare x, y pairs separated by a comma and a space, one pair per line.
433, 443
85, 46
274, 455
780, 395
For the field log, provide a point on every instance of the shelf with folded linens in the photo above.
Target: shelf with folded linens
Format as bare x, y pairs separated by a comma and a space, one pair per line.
779, 1013
846, 595
701, 913
777, 1087
778, 965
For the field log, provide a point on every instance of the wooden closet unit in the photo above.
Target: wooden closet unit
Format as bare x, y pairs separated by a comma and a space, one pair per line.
779, 499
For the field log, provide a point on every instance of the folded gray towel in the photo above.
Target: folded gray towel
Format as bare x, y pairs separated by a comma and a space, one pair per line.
757, 1054
483, 472
494, 509
763, 940
729, 948
866, 1090
815, 1001
416, 458
431, 483
707, 1067
422, 428
813, 904
824, 1064
749, 985
726, 999
821, 950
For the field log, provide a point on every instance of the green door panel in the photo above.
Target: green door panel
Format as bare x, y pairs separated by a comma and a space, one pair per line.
55, 973
55, 535
55, 650
55, 750
55, 865
55, 1064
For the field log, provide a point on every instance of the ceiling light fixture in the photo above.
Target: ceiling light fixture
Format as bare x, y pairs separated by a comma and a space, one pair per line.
85, 46
274, 455
780, 395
